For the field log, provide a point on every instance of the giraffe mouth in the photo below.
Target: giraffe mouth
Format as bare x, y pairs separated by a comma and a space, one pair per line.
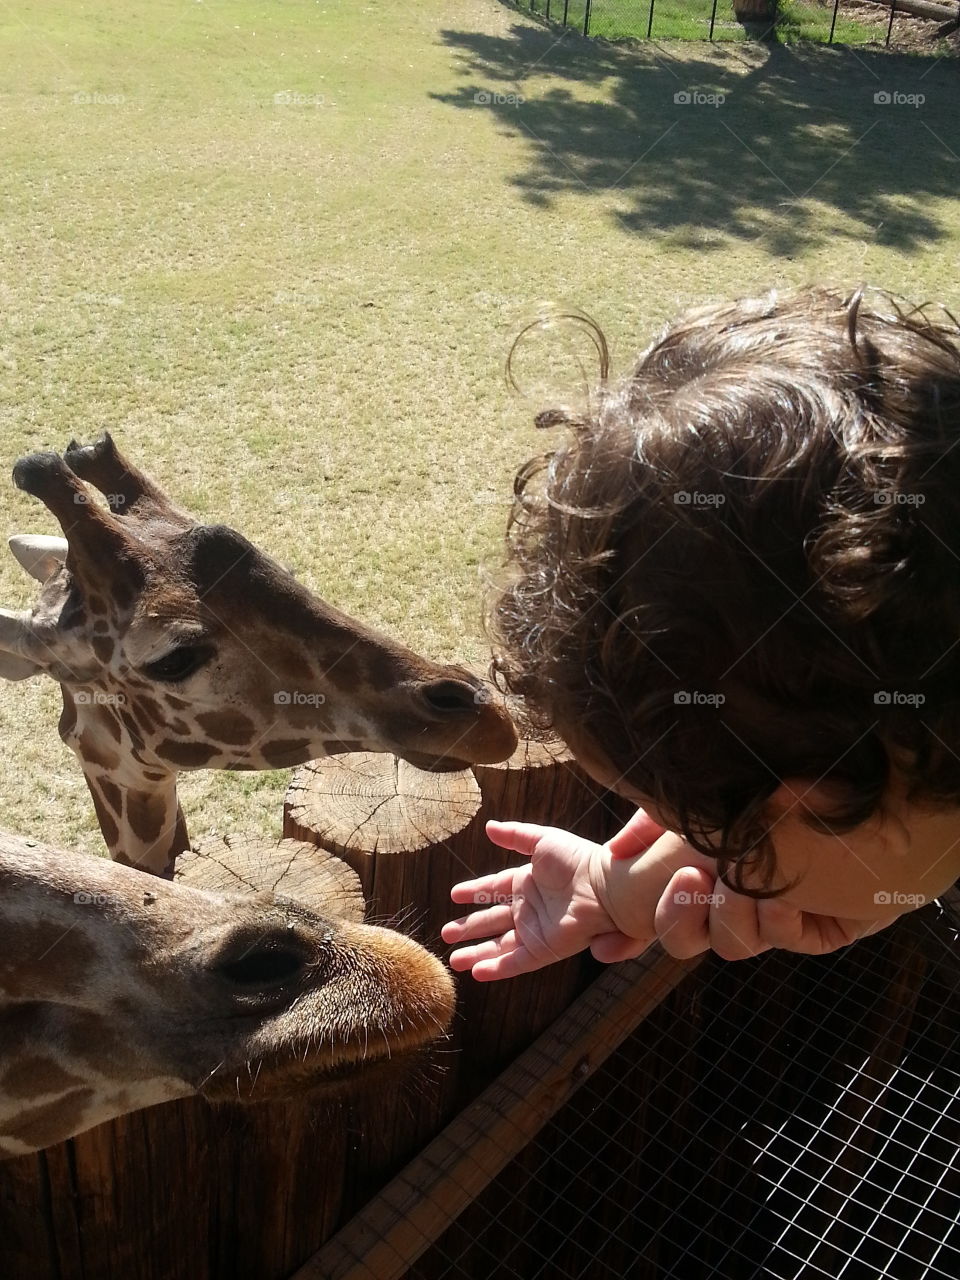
267, 1080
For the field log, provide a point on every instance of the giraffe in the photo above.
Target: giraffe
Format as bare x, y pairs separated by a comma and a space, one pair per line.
179, 645
119, 991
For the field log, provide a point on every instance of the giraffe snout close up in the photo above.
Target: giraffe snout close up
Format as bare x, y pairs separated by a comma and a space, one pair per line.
454, 721
329, 1003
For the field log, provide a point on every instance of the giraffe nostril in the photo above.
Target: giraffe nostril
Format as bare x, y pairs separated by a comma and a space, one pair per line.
448, 697
264, 962
263, 968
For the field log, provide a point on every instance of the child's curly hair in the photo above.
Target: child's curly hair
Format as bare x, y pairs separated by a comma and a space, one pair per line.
744, 565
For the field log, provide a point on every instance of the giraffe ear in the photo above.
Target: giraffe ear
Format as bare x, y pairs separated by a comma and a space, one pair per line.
39, 554
12, 633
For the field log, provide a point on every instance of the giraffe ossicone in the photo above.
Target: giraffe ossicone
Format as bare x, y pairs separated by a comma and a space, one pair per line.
179, 645
118, 992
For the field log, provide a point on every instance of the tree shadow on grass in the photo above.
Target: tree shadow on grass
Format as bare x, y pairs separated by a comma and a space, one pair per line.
751, 144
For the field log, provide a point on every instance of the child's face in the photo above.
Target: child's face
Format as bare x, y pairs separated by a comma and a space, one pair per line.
893, 863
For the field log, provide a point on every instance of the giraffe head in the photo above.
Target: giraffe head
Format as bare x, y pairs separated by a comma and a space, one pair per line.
182, 646
119, 991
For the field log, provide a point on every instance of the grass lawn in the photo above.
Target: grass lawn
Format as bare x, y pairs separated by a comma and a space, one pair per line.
294, 311
690, 20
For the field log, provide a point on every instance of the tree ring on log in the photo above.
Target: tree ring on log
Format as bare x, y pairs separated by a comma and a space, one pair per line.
293, 869
368, 802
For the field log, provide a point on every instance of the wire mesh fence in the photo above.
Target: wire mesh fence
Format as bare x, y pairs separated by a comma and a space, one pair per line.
899, 23
785, 1117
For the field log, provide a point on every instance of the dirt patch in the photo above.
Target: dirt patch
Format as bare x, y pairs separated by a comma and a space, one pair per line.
908, 32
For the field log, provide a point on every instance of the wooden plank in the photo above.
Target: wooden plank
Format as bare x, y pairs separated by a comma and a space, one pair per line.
393, 1230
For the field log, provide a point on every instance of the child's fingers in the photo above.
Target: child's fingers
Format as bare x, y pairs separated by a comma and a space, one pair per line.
682, 917
484, 890
611, 948
492, 949
482, 924
735, 925
521, 837
509, 965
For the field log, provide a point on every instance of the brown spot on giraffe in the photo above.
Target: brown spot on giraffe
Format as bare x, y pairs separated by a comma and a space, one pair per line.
227, 726
36, 1075
108, 824
148, 815
111, 794
96, 752
44, 1125
111, 722
284, 751
191, 755
146, 719
103, 647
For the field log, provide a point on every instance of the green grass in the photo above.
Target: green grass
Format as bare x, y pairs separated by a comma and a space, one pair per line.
690, 20
296, 316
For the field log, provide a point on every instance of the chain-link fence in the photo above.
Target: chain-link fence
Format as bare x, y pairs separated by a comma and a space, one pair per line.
910, 24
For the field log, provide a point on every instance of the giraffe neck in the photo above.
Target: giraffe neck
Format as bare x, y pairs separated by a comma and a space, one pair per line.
143, 826
134, 794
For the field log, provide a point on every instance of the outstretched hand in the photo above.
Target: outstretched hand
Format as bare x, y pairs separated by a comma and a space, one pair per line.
646, 883
537, 913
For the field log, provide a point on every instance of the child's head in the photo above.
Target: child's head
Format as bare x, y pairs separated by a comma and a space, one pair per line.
743, 566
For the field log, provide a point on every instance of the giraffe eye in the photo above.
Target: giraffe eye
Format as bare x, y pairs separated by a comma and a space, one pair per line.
179, 663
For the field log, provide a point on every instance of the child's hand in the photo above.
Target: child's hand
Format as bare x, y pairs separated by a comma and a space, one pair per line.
537, 913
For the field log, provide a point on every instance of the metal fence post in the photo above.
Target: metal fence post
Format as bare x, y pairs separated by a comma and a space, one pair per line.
586, 19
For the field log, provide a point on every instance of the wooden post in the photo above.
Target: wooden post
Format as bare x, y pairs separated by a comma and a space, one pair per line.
410, 836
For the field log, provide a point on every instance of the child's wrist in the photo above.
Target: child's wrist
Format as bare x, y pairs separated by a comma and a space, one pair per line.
610, 881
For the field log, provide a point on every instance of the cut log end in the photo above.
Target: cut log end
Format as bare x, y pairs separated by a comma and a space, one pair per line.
372, 803
291, 869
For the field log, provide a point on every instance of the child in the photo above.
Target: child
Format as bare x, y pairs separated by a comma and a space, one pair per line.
737, 598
